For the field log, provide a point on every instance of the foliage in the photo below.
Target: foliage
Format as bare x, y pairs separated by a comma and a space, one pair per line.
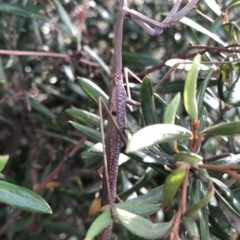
49, 155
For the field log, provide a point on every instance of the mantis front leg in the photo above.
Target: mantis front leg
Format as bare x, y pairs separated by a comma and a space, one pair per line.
155, 28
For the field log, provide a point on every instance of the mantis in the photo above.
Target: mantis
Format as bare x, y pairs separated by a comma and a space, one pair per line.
118, 98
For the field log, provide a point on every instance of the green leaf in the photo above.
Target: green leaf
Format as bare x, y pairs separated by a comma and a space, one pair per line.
232, 4
233, 98
133, 60
22, 198
147, 102
99, 60
227, 193
191, 227
233, 219
23, 11
193, 210
57, 136
214, 7
142, 227
105, 218
171, 110
3, 161
190, 89
202, 91
2, 74
217, 230
203, 174
64, 17
203, 30
86, 117
203, 219
146, 177
157, 133
232, 29
153, 196
59, 227
143, 210
224, 129
41, 108
172, 184
92, 90
223, 76
94, 134
178, 86
170, 114
192, 158
36, 31
101, 222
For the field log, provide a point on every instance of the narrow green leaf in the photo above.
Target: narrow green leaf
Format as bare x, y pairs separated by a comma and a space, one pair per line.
64, 16
171, 110
57, 136
41, 108
2, 75
203, 30
217, 230
202, 91
147, 102
136, 60
146, 177
86, 117
214, 7
233, 97
170, 114
224, 129
191, 227
143, 210
3, 161
172, 184
227, 193
178, 86
223, 76
190, 89
153, 196
23, 11
92, 90
22, 198
192, 158
192, 211
68, 71
232, 4
57, 227
101, 222
92, 133
142, 227
157, 133
36, 31
203, 174
203, 219
233, 219
99, 60
232, 30
225, 201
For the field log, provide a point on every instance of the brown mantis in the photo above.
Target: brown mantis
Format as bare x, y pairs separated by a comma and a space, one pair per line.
118, 98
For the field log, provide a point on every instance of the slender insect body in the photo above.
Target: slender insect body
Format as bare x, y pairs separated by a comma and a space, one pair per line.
113, 140
117, 105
